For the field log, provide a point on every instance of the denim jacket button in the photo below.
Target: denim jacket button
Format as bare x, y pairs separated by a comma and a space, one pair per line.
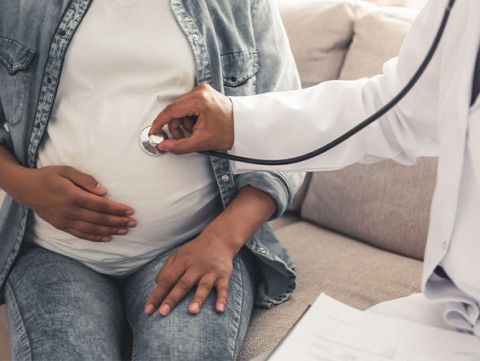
262, 250
195, 37
225, 178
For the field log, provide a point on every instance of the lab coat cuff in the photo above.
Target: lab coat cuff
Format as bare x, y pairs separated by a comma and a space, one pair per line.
249, 138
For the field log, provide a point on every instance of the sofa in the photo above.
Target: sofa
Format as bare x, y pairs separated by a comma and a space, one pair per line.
357, 234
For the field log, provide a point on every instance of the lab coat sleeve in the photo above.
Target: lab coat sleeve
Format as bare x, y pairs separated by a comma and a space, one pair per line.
287, 124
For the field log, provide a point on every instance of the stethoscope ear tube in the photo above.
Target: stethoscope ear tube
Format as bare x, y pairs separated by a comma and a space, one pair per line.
361, 125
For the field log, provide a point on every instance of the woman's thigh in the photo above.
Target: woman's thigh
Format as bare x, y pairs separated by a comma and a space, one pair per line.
59, 309
182, 336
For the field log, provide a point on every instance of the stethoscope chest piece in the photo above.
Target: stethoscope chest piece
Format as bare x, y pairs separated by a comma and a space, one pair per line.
149, 143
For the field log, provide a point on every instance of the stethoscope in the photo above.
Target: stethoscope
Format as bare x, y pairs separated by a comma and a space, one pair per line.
149, 143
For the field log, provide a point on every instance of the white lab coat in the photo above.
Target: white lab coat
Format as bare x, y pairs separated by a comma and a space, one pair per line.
435, 118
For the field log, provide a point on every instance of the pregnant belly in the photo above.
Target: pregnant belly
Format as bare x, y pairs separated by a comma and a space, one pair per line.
174, 199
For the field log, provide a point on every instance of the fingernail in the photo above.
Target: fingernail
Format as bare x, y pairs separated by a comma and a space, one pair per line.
162, 147
100, 189
128, 212
149, 309
131, 224
165, 310
221, 307
106, 239
194, 307
122, 231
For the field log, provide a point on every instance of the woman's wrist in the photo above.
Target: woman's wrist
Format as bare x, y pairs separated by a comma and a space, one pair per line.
250, 209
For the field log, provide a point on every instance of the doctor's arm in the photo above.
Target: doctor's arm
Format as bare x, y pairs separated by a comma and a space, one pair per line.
287, 124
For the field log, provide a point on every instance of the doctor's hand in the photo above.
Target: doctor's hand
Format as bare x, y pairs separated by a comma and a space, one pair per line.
74, 202
203, 112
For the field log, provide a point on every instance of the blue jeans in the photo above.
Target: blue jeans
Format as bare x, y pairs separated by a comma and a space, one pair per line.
59, 309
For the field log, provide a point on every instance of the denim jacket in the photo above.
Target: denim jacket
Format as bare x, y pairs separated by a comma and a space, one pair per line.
240, 48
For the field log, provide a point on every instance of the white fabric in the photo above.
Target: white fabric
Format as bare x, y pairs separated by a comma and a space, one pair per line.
127, 61
435, 118
416, 308
452, 310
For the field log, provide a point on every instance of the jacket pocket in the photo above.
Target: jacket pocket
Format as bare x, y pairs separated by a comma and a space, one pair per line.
239, 70
15, 60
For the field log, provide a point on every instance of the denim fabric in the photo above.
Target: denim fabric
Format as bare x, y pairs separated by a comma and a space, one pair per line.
78, 314
240, 48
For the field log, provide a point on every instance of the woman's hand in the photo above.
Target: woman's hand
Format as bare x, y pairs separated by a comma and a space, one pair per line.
73, 202
207, 261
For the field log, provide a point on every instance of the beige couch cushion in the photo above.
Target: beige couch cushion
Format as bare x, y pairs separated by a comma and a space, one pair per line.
350, 271
369, 48
319, 33
384, 204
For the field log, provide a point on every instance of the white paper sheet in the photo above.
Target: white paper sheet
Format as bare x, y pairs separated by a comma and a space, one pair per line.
333, 331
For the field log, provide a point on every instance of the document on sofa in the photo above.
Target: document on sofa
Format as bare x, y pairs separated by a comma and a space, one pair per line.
332, 331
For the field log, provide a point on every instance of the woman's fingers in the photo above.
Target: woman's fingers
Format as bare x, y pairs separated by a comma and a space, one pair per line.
167, 278
181, 288
97, 229
171, 288
222, 295
196, 264
104, 219
101, 205
204, 287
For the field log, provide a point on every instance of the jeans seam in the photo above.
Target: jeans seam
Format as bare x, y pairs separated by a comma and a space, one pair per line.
9, 288
130, 324
235, 347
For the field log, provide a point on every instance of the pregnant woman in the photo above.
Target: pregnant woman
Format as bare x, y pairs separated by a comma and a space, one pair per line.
100, 241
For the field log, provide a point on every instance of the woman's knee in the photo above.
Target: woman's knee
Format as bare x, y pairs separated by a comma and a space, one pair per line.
205, 336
